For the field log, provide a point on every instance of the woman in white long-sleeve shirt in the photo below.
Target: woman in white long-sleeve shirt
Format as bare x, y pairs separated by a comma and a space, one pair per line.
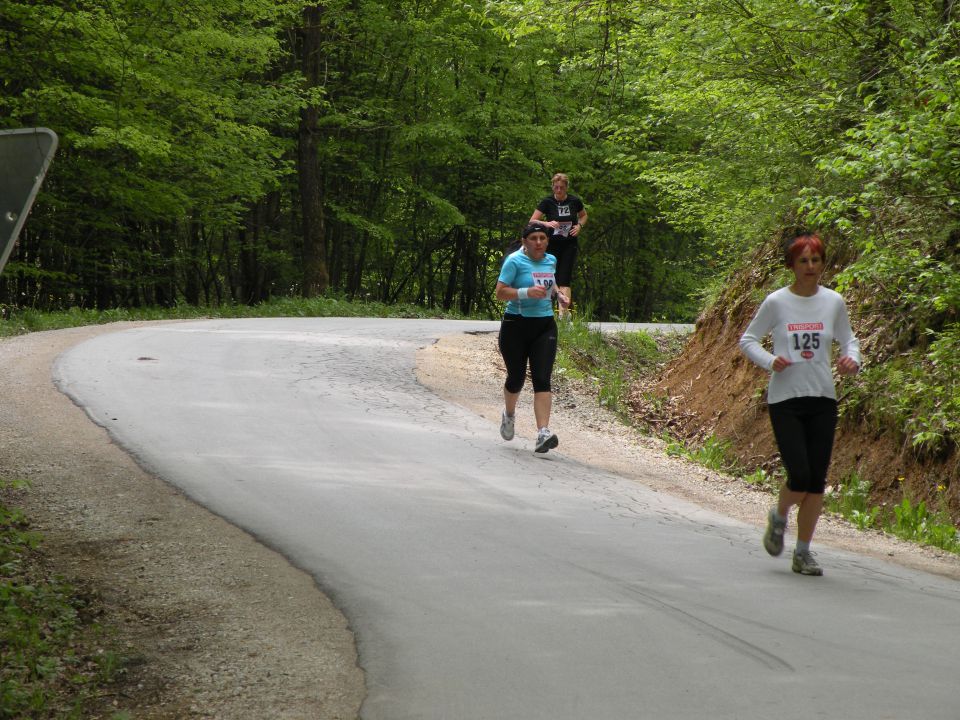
805, 319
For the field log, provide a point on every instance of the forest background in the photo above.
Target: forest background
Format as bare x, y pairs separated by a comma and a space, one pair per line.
246, 150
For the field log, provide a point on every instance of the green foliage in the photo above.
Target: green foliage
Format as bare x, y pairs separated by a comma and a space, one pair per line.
44, 672
675, 448
612, 362
713, 453
760, 478
163, 122
741, 95
851, 500
439, 125
913, 522
919, 524
22, 322
895, 163
916, 394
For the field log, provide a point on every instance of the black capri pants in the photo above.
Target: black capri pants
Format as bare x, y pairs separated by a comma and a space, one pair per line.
804, 428
526, 340
565, 249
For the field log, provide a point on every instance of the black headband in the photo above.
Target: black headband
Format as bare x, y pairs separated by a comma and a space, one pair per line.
532, 228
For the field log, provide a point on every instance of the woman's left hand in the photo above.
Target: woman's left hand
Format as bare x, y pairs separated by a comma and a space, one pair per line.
847, 365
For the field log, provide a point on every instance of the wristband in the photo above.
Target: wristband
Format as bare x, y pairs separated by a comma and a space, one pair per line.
521, 294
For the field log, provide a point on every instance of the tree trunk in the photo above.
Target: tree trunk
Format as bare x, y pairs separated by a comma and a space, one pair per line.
459, 247
315, 275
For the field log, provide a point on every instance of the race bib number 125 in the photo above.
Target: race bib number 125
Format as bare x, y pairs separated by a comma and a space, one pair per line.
806, 341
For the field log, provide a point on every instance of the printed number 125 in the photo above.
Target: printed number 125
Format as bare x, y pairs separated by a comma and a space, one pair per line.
809, 341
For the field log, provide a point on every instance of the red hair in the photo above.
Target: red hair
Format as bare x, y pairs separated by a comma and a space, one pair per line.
800, 243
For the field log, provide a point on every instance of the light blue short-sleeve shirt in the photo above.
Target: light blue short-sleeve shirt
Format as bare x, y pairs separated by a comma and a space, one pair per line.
520, 271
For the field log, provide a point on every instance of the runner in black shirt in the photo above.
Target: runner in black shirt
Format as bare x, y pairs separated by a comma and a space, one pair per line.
566, 216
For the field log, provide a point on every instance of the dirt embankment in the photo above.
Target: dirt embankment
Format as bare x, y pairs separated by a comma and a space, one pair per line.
712, 389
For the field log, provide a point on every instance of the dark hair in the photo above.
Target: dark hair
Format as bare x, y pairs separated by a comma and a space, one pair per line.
798, 242
534, 227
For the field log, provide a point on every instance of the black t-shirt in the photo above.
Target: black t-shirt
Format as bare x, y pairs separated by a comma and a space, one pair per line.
566, 212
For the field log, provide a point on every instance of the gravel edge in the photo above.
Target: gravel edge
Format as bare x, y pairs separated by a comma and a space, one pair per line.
213, 624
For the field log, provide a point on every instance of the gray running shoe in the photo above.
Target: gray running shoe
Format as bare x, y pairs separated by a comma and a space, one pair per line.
506, 426
773, 537
546, 440
804, 564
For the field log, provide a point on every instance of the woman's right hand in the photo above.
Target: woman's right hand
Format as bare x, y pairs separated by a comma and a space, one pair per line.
780, 363
536, 291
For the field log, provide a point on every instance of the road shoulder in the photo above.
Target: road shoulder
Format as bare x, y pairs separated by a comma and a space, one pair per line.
215, 625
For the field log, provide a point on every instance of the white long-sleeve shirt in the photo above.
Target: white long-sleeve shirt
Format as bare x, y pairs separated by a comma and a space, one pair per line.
804, 329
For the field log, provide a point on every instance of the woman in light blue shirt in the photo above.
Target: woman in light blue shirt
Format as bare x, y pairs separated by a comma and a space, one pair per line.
528, 332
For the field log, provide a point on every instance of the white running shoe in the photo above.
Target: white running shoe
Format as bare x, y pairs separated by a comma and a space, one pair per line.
546, 440
506, 426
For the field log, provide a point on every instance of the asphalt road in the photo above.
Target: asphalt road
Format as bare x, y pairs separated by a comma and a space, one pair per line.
483, 581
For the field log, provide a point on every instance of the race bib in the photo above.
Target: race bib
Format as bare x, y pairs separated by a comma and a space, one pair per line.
806, 341
563, 229
544, 279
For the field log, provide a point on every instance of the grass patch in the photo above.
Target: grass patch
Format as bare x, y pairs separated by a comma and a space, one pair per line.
714, 454
918, 523
22, 321
762, 479
53, 663
915, 522
850, 499
612, 362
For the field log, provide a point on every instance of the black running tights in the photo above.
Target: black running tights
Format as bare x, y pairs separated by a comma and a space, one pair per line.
526, 340
804, 428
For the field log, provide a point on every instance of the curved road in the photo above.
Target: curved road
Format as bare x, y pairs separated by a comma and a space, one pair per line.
483, 581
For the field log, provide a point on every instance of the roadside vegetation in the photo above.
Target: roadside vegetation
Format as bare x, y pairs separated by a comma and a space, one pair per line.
612, 362
21, 321
910, 519
56, 658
